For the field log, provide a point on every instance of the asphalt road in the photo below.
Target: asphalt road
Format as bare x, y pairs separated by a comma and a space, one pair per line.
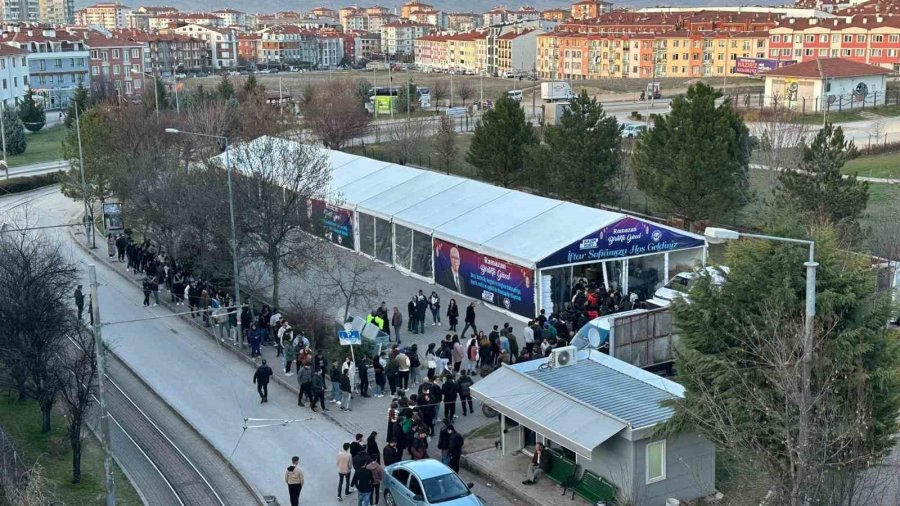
208, 386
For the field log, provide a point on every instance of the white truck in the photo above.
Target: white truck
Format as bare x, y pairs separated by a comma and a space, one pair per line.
556, 91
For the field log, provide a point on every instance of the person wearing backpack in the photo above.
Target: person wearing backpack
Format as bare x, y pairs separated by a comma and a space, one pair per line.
465, 393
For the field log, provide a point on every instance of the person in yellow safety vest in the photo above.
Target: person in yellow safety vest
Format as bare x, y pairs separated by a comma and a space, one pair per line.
377, 320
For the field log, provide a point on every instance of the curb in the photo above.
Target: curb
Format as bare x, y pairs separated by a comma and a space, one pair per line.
509, 488
227, 461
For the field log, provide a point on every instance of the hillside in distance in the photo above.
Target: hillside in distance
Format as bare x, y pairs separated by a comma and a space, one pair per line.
266, 6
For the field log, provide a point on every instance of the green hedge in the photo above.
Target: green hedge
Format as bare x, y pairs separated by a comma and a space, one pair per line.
28, 183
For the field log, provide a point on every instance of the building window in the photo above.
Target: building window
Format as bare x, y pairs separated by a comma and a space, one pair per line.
848, 38
95, 70
776, 38
656, 461
878, 38
876, 52
115, 70
823, 52
823, 38
893, 38
4, 84
860, 52
860, 38
807, 52
810, 38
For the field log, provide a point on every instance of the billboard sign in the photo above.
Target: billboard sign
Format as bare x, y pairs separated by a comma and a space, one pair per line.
112, 217
492, 280
625, 238
384, 104
754, 66
330, 222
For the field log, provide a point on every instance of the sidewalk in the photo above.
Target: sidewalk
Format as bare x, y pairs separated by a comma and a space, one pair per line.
368, 414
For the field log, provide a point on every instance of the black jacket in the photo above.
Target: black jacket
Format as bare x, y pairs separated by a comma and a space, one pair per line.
450, 391
363, 479
444, 439
411, 309
262, 374
470, 314
390, 455
345, 384
543, 462
455, 444
464, 384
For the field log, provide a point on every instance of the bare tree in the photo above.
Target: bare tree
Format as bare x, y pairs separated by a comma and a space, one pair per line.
348, 278
439, 91
334, 114
278, 180
780, 137
406, 139
36, 284
465, 90
76, 374
444, 143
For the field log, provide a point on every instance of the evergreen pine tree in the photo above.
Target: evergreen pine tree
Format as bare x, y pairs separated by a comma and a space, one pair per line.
693, 163
581, 155
817, 189
225, 90
502, 137
406, 95
32, 112
16, 141
81, 100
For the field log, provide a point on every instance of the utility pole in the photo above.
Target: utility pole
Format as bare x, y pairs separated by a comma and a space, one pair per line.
3, 134
101, 388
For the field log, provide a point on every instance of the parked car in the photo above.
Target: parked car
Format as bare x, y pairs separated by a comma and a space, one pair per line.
633, 130
425, 482
680, 284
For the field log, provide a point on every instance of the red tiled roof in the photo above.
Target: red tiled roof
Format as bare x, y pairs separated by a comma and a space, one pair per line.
96, 39
8, 50
513, 35
829, 67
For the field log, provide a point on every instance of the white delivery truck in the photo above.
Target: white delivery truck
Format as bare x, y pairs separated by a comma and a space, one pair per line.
556, 91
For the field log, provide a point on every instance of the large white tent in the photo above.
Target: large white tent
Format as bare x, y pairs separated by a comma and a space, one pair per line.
402, 216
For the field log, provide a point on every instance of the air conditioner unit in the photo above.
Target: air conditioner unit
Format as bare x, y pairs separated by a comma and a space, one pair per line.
563, 357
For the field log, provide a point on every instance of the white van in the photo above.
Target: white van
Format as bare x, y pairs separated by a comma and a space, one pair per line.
515, 95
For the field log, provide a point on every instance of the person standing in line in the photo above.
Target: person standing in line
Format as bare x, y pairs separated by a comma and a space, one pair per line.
345, 390
434, 303
344, 461
456, 353
470, 320
145, 286
465, 393
444, 442
261, 378
364, 377
293, 476
255, 339
121, 242
414, 364
403, 369
450, 390
411, 313
289, 351
452, 314
377, 477
455, 443
335, 376
421, 307
380, 380
390, 455
317, 386
110, 245
154, 287
304, 379
396, 322
364, 483
79, 301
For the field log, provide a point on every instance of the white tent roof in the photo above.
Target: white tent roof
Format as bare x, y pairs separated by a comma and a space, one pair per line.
418, 189
511, 225
447, 205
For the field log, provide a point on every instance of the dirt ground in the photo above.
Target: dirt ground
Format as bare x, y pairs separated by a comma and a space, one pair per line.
603, 89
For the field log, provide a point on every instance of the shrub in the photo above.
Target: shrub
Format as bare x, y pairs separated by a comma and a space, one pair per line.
28, 183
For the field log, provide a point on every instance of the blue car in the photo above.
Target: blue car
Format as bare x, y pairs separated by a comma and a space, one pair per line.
425, 482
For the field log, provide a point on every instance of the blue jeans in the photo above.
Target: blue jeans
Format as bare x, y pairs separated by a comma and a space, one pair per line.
335, 391
421, 324
363, 499
413, 374
436, 315
378, 390
345, 400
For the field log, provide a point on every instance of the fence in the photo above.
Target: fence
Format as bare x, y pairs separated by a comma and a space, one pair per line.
15, 477
809, 105
644, 339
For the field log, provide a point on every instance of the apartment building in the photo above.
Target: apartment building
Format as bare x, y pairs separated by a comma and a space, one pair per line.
498, 16
466, 52
109, 15
13, 74
680, 53
398, 38
866, 39
231, 17
139, 18
433, 17
526, 13
557, 15
167, 51
515, 52
56, 12
362, 21
163, 21
329, 49
20, 10
365, 46
221, 44
117, 66
57, 62
286, 44
325, 12
590, 9
464, 21
248, 47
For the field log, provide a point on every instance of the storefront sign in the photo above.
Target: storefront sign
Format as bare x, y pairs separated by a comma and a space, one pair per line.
624, 238
754, 66
494, 281
112, 217
330, 222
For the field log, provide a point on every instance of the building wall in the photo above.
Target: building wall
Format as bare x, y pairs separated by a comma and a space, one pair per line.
613, 460
13, 78
20, 10
118, 67
56, 75
809, 91
58, 12
690, 470
875, 44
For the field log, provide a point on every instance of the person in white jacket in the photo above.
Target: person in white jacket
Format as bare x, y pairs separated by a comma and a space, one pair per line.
528, 335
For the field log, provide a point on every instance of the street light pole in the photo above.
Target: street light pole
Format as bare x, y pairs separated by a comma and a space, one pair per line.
715, 235
101, 382
3, 134
234, 244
